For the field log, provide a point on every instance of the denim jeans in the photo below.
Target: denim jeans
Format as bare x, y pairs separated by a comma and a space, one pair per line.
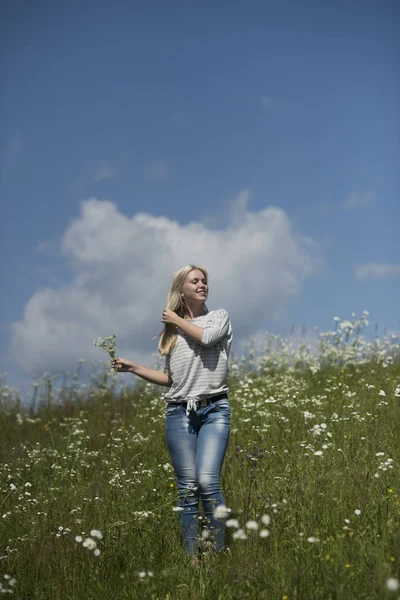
197, 444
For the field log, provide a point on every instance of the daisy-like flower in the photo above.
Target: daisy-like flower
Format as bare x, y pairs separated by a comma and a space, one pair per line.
266, 519
232, 523
108, 344
263, 533
221, 512
89, 544
239, 535
312, 539
357, 512
253, 525
96, 534
392, 584
78, 538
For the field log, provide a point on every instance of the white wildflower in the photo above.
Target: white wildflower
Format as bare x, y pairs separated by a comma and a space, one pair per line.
96, 534
266, 519
220, 512
392, 584
253, 525
89, 544
239, 535
232, 523
312, 539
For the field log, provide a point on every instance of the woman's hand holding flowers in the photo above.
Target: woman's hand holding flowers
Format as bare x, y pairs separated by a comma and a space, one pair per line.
121, 365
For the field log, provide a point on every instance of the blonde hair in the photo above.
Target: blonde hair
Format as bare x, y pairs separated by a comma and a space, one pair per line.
175, 303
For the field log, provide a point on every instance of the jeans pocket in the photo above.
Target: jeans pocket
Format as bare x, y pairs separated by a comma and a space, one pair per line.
222, 405
172, 409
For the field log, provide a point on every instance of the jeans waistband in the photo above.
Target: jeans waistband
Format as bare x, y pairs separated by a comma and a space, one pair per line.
206, 401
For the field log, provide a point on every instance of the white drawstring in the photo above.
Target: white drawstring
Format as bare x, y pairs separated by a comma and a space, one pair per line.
192, 404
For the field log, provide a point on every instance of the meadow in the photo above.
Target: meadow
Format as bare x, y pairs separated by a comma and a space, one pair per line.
311, 482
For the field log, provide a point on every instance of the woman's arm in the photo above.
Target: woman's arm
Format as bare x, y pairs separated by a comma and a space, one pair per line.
194, 331
206, 336
152, 375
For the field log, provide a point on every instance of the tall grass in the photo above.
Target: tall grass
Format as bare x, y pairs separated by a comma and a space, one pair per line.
313, 463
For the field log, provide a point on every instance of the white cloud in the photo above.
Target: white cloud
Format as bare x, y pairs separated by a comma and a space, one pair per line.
358, 199
122, 270
157, 171
376, 271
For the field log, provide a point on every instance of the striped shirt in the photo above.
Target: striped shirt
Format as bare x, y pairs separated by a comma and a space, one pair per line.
200, 369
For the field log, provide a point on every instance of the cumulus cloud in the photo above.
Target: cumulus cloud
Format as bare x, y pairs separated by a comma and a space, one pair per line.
376, 271
122, 269
358, 200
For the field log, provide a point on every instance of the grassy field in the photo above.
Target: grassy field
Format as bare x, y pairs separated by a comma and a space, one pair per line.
312, 476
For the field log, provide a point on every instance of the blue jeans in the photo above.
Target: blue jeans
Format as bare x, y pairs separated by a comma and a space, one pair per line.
197, 444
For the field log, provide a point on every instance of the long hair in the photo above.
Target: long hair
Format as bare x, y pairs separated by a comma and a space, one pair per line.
176, 303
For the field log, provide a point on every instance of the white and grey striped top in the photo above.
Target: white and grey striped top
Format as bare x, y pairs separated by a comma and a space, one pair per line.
200, 369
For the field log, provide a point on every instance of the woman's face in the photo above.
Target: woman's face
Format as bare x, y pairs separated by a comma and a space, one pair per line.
195, 287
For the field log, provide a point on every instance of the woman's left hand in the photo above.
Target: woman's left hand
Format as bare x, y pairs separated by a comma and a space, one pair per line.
169, 316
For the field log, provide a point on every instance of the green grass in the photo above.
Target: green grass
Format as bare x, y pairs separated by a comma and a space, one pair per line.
102, 463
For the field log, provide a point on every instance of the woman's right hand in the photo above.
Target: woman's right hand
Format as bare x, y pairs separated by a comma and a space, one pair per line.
121, 365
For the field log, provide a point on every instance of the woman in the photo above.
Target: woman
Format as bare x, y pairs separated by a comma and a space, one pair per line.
196, 344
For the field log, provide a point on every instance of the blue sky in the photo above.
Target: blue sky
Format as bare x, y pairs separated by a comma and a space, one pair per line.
194, 122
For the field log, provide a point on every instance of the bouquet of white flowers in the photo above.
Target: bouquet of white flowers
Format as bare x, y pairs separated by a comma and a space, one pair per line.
109, 344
